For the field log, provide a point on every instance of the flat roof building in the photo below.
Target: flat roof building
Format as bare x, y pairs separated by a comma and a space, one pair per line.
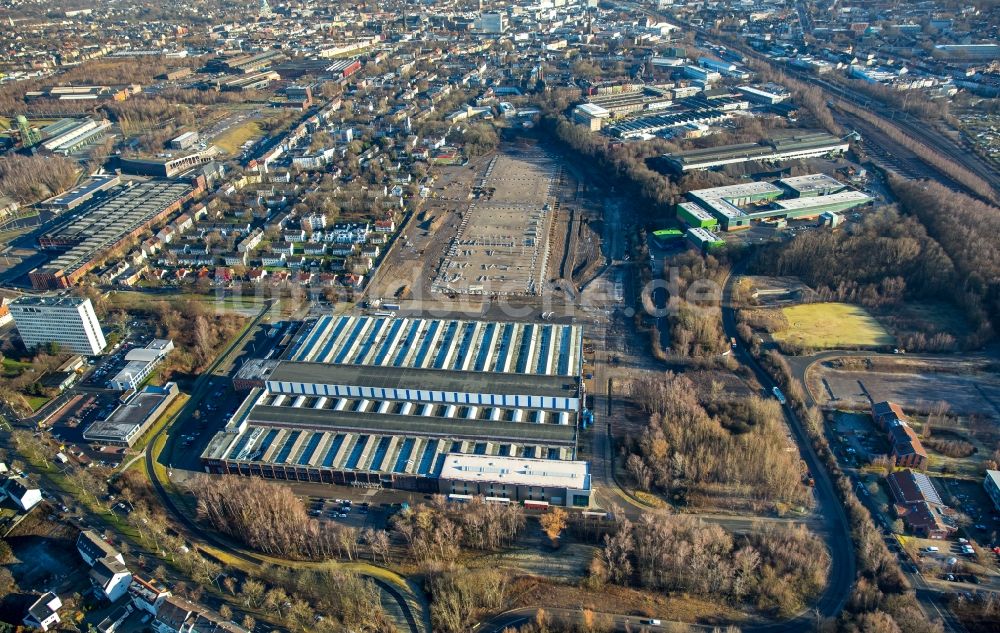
66, 320
703, 238
103, 226
185, 140
992, 486
591, 115
695, 216
83, 193
130, 420
140, 363
817, 204
556, 482
812, 185
383, 401
778, 149
735, 206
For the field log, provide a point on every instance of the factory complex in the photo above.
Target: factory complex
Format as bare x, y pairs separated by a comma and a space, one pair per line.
417, 404
733, 207
104, 225
796, 147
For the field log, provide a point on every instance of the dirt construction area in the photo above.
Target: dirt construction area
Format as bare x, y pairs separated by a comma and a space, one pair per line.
502, 243
485, 231
968, 391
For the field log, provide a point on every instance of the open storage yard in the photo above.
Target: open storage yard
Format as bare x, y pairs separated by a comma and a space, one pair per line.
968, 389
832, 325
502, 242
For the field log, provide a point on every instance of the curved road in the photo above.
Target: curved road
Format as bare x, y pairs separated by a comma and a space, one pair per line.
829, 520
837, 534
195, 532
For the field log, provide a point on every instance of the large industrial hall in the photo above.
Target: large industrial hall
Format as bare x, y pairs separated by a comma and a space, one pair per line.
383, 401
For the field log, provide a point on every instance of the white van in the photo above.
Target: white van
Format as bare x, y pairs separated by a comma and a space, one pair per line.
932, 550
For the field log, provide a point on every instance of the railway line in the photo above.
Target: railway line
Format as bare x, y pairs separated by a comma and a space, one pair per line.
917, 129
892, 156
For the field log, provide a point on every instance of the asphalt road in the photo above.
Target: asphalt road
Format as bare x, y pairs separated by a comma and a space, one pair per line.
629, 623
837, 532
195, 533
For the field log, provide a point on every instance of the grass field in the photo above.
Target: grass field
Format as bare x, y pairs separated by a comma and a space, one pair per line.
36, 402
832, 325
13, 367
231, 140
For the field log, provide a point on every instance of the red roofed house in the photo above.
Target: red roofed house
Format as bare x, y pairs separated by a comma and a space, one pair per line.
918, 503
906, 447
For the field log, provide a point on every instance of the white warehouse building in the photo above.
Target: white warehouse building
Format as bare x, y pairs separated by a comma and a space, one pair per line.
387, 402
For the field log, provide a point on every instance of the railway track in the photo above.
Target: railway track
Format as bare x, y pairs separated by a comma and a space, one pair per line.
892, 156
918, 129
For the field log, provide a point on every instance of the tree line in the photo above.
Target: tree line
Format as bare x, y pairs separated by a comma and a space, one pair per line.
966, 229
269, 519
696, 317
29, 179
772, 569
685, 451
435, 533
882, 262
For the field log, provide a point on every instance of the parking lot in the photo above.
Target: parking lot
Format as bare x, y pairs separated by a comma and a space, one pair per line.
502, 241
969, 498
360, 515
858, 440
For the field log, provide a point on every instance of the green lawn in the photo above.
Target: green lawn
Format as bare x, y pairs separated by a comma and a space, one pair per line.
13, 367
36, 402
832, 325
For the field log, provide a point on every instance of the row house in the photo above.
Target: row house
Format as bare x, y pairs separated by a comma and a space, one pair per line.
272, 259
286, 248
166, 234
251, 241
151, 246
343, 250
351, 233
294, 235
183, 223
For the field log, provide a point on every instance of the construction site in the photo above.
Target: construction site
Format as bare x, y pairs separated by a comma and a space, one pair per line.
518, 223
502, 245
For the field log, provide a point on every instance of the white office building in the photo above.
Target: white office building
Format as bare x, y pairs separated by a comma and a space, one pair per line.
66, 320
140, 363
